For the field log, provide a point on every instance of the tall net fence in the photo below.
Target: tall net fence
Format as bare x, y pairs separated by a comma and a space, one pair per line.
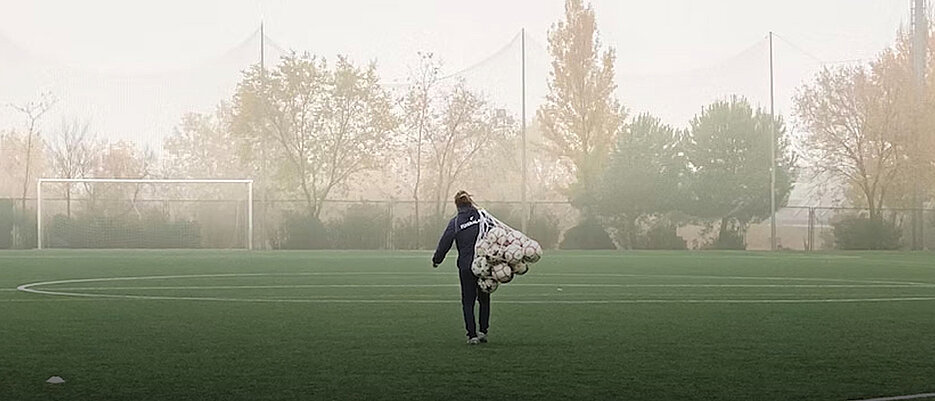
143, 215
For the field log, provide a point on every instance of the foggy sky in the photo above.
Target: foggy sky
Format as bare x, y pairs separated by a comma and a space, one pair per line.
673, 56
650, 36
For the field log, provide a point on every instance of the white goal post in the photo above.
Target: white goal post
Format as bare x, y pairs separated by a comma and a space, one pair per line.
159, 191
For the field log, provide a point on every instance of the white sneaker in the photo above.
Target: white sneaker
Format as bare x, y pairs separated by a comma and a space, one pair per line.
482, 337
473, 341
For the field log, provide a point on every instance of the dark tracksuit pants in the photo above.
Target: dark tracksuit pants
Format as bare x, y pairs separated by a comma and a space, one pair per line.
462, 230
470, 293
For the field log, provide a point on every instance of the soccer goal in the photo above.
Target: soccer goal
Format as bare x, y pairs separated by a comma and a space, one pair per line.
144, 213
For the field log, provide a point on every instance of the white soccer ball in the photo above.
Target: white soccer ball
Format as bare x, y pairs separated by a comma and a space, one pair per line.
487, 285
501, 272
495, 235
532, 251
480, 267
520, 268
521, 239
503, 236
510, 237
495, 252
513, 253
480, 248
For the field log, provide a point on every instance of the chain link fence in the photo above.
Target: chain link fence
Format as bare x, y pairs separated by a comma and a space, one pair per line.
219, 223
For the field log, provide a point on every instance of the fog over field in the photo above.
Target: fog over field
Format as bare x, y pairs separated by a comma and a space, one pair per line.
148, 77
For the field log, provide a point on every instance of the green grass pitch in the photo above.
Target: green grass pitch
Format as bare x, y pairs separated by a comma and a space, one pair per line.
384, 325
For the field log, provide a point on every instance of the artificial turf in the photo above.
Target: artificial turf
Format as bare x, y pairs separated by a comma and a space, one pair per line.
384, 325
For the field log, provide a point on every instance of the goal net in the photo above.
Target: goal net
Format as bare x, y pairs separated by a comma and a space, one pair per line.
150, 214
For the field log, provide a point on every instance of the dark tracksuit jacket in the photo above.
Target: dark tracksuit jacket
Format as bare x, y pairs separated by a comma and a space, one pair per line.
462, 230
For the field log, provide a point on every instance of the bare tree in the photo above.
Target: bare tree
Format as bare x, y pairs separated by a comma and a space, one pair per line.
75, 151
419, 119
32, 112
121, 160
468, 127
852, 132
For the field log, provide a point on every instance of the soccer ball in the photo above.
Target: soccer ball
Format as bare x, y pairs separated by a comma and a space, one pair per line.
520, 268
487, 285
532, 251
496, 235
513, 253
479, 267
502, 273
521, 239
502, 236
512, 237
495, 252
480, 249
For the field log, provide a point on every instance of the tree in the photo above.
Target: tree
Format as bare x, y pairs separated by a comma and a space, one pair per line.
728, 151
419, 120
202, 146
852, 133
13, 145
120, 159
644, 176
32, 112
913, 122
581, 116
75, 152
327, 124
467, 128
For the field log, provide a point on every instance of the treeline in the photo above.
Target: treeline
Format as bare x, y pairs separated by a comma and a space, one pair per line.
317, 129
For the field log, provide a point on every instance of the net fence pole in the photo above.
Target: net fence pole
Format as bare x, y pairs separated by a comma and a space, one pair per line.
525, 205
38, 214
920, 27
772, 151
811, 229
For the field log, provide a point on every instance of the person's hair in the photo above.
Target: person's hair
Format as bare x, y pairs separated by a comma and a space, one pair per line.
462, 198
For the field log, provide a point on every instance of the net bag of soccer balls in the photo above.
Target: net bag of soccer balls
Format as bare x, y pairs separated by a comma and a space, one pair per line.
501, 253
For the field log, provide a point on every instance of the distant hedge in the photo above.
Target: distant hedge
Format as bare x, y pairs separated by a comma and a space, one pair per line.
863, 233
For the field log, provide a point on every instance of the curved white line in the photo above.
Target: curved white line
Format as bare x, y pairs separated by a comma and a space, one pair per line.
806, 279
901, 397
812, 279
28, 288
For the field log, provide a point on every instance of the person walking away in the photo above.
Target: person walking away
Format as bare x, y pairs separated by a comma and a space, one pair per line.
463, 230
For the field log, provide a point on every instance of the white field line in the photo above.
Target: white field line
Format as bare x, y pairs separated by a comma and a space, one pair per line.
764, 255
29, 288
452, 301
59, 300
901, 397
811, 279
565, 285
440, 274
33, 255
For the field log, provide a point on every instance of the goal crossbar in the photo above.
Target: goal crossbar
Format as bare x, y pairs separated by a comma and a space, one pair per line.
248, 182
146, 181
